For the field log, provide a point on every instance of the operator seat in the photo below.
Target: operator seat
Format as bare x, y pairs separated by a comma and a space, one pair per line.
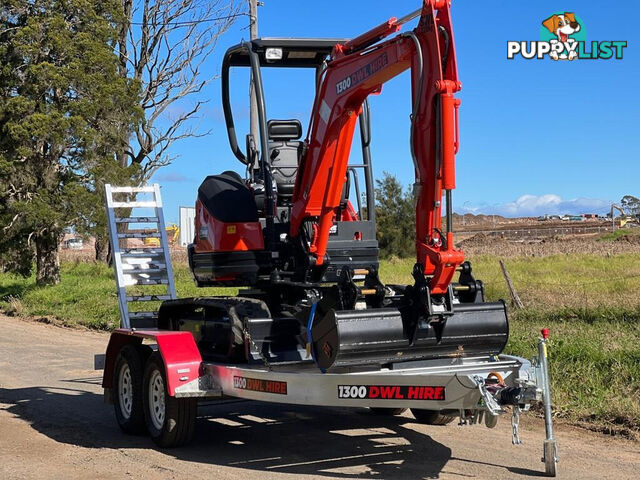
284, 151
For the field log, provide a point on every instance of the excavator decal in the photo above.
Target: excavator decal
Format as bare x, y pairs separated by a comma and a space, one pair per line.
362, 73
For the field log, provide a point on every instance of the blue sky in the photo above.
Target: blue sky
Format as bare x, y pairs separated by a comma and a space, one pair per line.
537, 136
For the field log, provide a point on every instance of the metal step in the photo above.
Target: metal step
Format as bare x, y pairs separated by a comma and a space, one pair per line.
138, 271
143, 319
144, 324
129, 282
150, 189
141, 315
140, 235
139, 252
133, 205
137, 220
148, 298
141, 264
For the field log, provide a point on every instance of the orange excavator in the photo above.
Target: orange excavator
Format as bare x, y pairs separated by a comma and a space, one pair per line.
290, 232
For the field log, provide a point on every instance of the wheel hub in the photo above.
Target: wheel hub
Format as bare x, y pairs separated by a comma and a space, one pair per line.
125, 391
156, 400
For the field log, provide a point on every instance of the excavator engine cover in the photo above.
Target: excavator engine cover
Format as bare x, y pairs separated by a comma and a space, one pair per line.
228, 247
345, 338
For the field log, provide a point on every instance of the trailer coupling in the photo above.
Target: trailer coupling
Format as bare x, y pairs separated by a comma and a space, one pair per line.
495, 395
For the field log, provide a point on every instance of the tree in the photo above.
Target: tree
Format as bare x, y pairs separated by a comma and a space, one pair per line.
395, 218
62, 105
631, 205
163, 44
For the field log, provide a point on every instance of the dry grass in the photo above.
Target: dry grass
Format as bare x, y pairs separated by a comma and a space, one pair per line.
14, 306
560, 245
580, 281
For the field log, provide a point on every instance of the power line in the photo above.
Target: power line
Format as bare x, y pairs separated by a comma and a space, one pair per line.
181, 23
187, 23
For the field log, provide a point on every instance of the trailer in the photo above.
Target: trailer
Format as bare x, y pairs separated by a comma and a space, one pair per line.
312, 322
155, 377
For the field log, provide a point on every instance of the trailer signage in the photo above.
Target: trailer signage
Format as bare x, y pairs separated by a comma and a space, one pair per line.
392, 392
258, 385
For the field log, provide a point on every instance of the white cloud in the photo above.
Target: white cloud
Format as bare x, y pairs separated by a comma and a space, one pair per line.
534, 205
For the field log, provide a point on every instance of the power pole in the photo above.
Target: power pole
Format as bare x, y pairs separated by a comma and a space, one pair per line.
253, 34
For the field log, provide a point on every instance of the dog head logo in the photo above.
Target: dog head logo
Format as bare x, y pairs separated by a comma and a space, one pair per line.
562, 26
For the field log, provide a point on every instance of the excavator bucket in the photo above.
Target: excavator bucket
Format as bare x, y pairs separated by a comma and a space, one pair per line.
380, 336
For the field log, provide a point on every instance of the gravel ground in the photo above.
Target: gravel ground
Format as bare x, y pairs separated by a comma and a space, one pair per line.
54, 424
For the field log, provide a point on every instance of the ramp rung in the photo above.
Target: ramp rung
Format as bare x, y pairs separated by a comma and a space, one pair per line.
138, 252
132, 189
141, 315
128, 282
140, 263
148, 298
145, 324
148, 204
139, 271
137, 220
139, 235
145, 274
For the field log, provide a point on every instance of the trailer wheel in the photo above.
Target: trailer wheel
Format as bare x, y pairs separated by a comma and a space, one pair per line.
127, 384
387, 411
431, 417
170, 421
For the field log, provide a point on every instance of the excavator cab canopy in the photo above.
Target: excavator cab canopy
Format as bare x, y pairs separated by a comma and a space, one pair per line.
280, 139
269, 52
283, 52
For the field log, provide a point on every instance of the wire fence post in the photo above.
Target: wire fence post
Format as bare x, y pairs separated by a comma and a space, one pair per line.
512, 291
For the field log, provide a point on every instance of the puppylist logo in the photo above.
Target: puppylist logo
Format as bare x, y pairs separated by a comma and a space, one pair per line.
564, 37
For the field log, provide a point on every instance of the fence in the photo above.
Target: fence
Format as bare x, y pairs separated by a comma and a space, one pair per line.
525, 231
593, 291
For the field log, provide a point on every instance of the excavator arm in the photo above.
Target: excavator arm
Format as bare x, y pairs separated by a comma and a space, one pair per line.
357, 69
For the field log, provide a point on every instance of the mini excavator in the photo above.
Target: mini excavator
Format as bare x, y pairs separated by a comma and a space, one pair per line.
290, 233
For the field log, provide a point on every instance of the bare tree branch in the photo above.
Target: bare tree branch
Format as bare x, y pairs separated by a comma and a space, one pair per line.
163, 45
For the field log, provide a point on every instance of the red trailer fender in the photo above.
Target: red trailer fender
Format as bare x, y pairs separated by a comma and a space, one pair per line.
182, 359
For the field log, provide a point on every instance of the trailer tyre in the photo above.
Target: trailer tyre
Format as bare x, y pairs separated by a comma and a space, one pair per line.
387, 411
170, 421
127, 398
431, 417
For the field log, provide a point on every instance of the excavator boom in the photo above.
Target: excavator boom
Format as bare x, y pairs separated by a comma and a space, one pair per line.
357, 69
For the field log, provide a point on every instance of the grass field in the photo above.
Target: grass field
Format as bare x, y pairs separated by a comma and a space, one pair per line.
590, 303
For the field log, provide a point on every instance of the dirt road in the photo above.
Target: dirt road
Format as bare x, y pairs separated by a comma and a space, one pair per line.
54, 424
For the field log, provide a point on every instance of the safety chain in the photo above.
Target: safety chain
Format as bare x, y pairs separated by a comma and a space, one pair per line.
515, 423
490, 402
